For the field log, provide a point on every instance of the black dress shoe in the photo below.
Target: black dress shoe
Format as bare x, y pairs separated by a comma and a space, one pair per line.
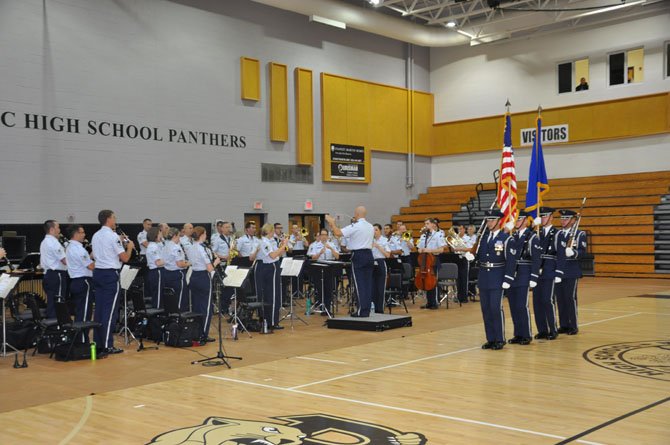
487, 345
209, 340
427, 306
563, 330
541, 335
277, 327
114, 350
514, 340
552, 336
324, 314
525, 340
572, 332
498, 345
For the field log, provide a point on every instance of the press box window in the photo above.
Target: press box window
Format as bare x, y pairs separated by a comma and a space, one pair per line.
573, 76
626, 67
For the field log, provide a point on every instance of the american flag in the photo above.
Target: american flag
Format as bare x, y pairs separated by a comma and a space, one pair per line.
506, 198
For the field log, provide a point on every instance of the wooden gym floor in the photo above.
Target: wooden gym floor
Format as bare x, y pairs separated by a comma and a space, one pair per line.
430, 383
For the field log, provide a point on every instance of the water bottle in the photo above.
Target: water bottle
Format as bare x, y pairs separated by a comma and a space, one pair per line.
265, 326
372, 308
93, 357
308, 309
234, 331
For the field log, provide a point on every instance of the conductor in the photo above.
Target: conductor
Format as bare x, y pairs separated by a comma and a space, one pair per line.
359, 234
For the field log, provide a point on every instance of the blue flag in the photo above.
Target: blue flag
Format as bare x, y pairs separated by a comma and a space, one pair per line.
538, 184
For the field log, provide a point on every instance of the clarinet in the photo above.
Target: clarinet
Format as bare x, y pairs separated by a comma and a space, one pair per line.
126, 240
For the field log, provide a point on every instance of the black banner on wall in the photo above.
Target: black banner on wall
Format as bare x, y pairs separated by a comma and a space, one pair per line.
347, 162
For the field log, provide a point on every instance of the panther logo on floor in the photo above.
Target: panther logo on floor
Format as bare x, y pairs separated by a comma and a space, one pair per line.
649, 359
288, 430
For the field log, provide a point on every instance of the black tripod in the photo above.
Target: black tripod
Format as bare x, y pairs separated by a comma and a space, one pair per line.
220, 357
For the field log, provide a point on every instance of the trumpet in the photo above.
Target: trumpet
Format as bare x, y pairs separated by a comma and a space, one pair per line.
455, 241
304, 232
407, 236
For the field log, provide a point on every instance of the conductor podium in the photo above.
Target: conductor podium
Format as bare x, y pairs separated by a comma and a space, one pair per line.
375, 322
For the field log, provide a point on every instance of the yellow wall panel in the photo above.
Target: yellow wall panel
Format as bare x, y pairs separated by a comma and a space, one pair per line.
304, 117
278, 102
423, 119
250, 78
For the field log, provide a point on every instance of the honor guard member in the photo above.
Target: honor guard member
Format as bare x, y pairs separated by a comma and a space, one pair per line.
380, 251
359, 236
431, 241
297, 241
247, 245
155, 263
323, 249
109, 253
268, 275
54, 265
80, 269
496, 274
527, 250
175, 268
571, 247
201, 280
543, 294
142, 236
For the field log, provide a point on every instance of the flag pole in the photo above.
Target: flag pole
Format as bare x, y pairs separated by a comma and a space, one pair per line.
509, 195
537, 163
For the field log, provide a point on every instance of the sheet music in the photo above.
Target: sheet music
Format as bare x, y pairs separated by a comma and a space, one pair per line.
235, 278
292, 268
128, 274
7, 283
229, 269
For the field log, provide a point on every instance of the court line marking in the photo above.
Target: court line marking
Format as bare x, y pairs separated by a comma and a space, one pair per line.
321, 360
611, 421
381, 368
396, 408
622, 312
81, 423
609, 319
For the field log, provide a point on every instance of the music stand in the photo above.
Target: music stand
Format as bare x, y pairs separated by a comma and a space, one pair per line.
7, 285
236, 319
291, 268
321, 307
128, 274
234, 278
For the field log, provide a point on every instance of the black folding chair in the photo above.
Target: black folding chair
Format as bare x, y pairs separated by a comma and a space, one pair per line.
72, 329
146, 317
47, 327
394, 292
447, 282
408, 280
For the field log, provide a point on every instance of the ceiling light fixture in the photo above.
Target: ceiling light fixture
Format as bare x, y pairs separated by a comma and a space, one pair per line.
451, 24
375, 2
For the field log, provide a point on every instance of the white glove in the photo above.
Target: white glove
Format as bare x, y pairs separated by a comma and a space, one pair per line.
558, 280
532, 284
506, 285
469, 256
569, 252
537, 221
509, 225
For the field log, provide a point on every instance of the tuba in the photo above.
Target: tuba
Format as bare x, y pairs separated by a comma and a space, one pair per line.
454, 241
304, 232
407, 236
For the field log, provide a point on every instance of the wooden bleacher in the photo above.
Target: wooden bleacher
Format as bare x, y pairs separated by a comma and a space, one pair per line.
619, 214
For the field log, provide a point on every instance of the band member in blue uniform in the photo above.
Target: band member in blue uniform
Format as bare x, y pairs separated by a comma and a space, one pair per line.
380, 251
247, 245
543, 294
496, 274
269, 275
54, 265
202, 268
432, 241
222, 242
359, 235
80, 269
571, 247
323, 249
155, 263
527, 251
109, 253
175, 268
142, 236
297, 241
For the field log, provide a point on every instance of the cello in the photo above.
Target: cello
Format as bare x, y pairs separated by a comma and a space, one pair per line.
426, 279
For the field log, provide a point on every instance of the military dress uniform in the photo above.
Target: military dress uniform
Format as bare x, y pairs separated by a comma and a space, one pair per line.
221, 246
569, 270
379, 274
155, 252
52, 254
544, 307
324, 283
496, 266
527, 250
359, 236
142, 237
106, 250
432, 240
201, 285
81, 279
175, 276
268, 281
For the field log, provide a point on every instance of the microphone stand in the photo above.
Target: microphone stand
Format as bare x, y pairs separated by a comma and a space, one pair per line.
220, 357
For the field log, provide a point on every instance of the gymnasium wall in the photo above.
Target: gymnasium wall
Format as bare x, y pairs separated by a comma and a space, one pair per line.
174, 68
474, 82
